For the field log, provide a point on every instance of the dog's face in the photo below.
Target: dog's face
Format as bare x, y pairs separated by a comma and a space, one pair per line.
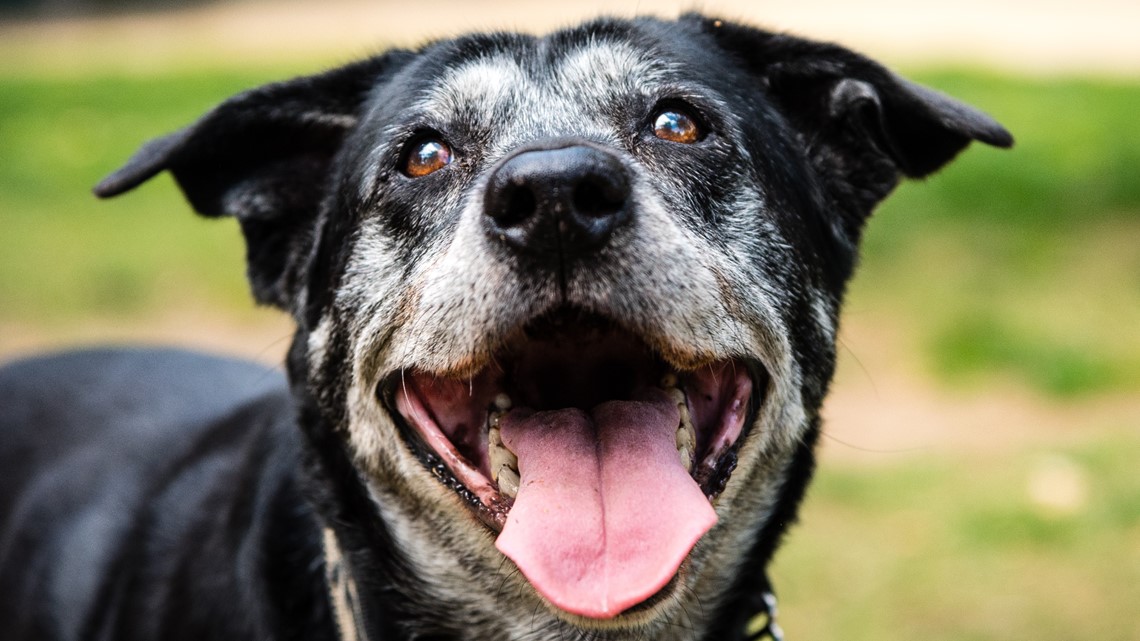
569, 304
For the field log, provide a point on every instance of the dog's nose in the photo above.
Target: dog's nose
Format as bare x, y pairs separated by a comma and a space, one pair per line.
557, 203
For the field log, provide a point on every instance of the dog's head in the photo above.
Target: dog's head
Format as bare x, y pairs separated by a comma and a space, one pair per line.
567, 304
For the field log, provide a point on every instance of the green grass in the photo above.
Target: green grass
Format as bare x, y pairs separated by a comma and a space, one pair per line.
1061, 367
1021, 264
63, 253
957, 548
1075, 161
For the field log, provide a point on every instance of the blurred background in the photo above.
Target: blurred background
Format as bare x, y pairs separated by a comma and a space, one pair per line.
980, 473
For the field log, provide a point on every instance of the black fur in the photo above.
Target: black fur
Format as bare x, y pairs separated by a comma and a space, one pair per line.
157, 494
153, 494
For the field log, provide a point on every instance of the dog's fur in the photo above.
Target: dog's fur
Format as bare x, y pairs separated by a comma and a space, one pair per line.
163, 495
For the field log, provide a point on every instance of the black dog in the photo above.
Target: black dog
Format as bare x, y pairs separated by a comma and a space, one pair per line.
566, 311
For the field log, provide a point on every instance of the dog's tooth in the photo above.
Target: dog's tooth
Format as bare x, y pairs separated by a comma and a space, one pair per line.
686, 418
509, 457
499, 454
676, 395
508, 482
494, 444
495, 440
669, 380
503, 402
686, 458
686, 437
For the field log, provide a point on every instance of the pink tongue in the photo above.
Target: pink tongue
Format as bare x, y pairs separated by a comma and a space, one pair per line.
605, 512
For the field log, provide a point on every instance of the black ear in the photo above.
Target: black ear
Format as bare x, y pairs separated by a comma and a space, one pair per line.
264, 157
853, 110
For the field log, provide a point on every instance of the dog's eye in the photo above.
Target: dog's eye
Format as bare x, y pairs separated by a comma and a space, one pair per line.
675, 125
425, 156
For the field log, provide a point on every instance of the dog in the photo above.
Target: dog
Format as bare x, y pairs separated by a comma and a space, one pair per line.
566, 311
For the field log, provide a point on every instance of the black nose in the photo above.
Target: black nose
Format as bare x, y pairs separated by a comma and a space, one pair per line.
557, 203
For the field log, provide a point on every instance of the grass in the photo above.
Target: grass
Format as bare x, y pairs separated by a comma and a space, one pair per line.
63, 254
1076, 158
1061, 367
970, 547
1022, 264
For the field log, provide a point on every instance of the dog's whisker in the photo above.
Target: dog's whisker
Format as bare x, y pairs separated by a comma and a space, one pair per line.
866, 372
872, 450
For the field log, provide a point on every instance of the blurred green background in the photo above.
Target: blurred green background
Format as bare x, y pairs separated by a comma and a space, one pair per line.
979, 477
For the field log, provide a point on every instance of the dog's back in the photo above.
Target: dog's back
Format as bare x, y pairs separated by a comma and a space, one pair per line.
123, 470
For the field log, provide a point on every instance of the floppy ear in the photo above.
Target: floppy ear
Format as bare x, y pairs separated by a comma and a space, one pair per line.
853, 114
265, 157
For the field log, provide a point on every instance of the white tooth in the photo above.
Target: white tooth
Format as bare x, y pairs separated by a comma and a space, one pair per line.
686, 437
686, 421
508, 482
494, 445
686, 458
499, 454
493, 420
503, 402
676, 395
686, 434
683, 410
669, 380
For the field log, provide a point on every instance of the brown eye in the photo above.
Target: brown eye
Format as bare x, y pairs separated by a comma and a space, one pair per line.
426, 156
675, 125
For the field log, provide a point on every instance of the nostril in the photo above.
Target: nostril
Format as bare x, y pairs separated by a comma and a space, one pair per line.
520, 205
596, 198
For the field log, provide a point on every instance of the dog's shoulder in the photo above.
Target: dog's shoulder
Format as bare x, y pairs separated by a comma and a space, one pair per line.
123, 469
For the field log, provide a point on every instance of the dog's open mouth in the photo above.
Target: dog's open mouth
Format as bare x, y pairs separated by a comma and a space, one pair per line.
594, 461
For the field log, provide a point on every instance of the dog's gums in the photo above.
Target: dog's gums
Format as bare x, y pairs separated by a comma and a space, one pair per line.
580, 429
